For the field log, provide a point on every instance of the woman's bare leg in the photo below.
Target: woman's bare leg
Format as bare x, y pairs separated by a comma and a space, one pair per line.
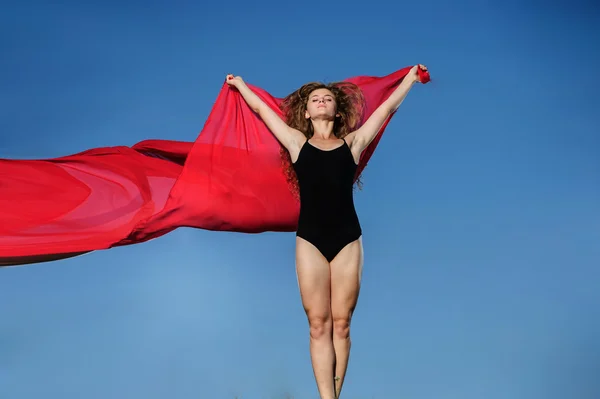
346, 274
314, 282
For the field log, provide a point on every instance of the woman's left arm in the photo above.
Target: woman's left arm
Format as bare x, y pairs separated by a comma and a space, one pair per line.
367, 132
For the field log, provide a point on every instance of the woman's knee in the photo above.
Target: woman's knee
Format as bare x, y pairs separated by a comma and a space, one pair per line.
341, 327
320, 325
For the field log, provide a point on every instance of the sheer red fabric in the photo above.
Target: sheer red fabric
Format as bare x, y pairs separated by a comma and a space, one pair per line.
229, 179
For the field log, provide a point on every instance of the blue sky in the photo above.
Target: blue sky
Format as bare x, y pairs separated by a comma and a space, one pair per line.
480, 208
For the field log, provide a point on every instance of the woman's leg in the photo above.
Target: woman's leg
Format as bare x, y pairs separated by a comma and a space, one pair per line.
346, 274
314, 283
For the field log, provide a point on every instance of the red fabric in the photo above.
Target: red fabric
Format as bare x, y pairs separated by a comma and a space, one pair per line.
229, 179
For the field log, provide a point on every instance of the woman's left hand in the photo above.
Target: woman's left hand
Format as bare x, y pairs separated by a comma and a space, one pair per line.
414, 72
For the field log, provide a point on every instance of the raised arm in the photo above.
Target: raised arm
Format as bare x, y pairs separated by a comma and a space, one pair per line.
367, 132
290, 138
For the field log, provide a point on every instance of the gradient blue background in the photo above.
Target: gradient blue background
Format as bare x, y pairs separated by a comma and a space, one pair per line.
481, 206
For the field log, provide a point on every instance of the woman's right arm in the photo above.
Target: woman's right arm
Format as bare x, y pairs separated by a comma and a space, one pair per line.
290, 138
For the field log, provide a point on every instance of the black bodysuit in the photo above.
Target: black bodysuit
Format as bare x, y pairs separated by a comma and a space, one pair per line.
327, 217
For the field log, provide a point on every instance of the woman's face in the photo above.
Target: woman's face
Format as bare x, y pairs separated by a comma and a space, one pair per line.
321, 105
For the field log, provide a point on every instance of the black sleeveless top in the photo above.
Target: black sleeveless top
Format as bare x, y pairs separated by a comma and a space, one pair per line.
326, 179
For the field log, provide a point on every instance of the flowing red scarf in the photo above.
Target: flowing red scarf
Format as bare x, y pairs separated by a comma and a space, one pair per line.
230, 179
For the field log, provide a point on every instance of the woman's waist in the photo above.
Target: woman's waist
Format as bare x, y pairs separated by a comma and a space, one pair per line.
332, 219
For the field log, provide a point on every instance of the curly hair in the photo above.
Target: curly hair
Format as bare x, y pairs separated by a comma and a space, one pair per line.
350, 108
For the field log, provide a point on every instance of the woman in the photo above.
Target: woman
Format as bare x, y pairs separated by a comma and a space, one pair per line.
324, 148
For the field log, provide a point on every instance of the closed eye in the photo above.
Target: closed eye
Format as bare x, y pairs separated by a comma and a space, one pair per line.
328, 98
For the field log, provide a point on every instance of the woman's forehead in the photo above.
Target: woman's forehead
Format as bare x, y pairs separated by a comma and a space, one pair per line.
321, 92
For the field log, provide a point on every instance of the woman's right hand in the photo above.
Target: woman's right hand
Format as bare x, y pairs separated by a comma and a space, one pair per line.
233, 80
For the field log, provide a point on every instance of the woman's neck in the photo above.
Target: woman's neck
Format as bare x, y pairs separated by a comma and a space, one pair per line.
323, 129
